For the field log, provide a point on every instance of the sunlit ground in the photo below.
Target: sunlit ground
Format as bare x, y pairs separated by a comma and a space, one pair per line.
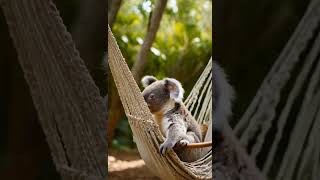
120, 165
127, 165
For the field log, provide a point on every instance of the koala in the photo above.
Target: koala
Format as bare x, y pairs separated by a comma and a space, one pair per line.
164, 99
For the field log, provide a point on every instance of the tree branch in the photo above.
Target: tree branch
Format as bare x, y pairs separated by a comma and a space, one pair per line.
141, 59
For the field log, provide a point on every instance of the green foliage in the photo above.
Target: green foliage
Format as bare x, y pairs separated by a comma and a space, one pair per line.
123, 136
183, 43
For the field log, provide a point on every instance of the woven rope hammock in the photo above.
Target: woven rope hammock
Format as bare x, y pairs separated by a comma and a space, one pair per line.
146, 132
282, 124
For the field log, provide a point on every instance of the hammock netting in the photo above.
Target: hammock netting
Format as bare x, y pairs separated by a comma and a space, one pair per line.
146, 132
281, 126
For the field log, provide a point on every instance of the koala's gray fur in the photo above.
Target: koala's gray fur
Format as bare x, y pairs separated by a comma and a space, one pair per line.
223, 95
164, 99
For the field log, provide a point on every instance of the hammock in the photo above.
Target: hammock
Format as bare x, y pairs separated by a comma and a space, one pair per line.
146, 132
282, 123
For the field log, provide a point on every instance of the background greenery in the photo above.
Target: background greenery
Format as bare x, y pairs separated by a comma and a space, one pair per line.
182, 47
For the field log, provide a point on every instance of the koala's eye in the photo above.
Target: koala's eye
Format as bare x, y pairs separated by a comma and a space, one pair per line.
151, 96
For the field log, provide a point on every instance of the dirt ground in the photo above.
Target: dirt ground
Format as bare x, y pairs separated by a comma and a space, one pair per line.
127, 165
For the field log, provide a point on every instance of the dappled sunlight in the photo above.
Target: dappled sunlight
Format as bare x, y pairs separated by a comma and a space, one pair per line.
115, 164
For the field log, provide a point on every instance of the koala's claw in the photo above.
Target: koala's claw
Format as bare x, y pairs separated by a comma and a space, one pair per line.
164, 147
181, 144
184, 142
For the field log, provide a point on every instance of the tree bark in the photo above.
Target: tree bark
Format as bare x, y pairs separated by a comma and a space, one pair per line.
113, 8
141, 60
70, 109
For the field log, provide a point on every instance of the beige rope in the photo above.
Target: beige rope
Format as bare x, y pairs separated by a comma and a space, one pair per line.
200, 88
271, 107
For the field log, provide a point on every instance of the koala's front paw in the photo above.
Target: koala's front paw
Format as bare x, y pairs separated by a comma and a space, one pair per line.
164, 147
181, 144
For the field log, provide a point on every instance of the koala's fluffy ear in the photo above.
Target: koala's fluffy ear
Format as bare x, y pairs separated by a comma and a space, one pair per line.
147, 80
175, 88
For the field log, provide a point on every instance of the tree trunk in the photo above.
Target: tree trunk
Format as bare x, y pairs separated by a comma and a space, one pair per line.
113, 8
141, 60
115, 113
70, 109
116, 110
